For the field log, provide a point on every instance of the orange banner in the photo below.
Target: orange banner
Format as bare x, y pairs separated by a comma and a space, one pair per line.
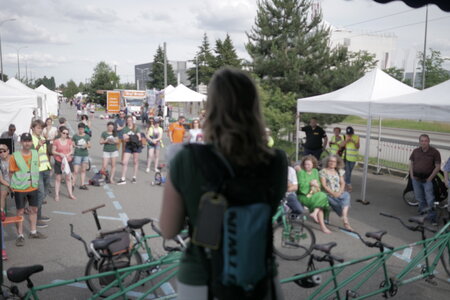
113, 102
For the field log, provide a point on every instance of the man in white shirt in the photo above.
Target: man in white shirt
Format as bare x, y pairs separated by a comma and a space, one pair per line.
291, 194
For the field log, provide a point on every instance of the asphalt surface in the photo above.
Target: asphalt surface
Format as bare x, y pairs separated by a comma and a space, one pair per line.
64, 257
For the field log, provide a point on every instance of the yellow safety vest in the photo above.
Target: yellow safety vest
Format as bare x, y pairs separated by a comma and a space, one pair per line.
26, 177
335, 147
351, 152
43, 157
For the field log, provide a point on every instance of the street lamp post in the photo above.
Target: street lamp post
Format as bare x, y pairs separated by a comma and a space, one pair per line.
165, 66
1, 54
18, 60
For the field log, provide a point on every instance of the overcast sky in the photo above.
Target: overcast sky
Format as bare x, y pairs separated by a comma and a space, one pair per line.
66, 39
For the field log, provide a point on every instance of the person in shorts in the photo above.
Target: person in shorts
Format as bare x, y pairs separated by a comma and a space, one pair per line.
4, 187
24, 173
133, 146
120, 124
82, 142
63, 148
154, 143
109, 141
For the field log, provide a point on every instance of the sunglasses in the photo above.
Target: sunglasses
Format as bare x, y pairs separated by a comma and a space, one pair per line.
3, 150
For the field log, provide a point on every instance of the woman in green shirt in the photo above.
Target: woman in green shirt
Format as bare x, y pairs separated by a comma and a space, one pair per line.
109, 141
310, 194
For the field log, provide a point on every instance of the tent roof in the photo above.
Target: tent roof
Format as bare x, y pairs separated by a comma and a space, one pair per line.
183, 94
169, 89
356, 98
430, 104
19, 85
43, 89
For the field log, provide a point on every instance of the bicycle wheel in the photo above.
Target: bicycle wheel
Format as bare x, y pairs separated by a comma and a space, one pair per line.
410, 199
104, 265
293, 242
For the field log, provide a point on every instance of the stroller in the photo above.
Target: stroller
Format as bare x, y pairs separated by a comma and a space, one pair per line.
440, 190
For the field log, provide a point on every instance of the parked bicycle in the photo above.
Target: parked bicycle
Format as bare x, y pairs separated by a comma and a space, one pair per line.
292, 238
440, 190
119, 253
419, 226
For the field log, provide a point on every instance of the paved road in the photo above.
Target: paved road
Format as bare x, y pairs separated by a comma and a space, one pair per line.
64, 257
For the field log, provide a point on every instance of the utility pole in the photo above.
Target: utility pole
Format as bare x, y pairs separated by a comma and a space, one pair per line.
196, 73
26, 72
1, 54
424, 49
165, 66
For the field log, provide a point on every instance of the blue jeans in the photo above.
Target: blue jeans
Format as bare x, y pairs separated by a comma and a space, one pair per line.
44, 186
294, 204
424, 193
349, 165
338, 204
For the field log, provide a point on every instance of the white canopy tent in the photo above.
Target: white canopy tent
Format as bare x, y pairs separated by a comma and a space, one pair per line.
431, 104
16, 107
52, 99
169, 89
42, 98
183, 94
358, 99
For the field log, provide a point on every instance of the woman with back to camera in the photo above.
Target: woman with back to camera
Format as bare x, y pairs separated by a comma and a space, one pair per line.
234, 128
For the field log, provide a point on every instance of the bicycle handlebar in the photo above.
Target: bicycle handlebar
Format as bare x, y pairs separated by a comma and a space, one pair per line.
177, 239
409, 227
94, 208
367, 243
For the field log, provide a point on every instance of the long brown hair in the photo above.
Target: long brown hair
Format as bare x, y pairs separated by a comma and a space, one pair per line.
234, 123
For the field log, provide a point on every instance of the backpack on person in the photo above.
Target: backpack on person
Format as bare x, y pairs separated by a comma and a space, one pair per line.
234, 228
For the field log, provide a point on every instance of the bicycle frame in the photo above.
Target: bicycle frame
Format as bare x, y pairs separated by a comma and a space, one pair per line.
435, 245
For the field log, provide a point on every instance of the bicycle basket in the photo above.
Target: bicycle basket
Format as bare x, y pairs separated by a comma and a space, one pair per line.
120, 246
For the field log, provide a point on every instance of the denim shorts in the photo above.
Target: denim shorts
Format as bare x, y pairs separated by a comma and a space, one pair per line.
78, 160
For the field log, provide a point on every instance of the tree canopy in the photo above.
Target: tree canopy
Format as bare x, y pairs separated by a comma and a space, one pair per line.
434, 72
47, 82
157, 73
103, 78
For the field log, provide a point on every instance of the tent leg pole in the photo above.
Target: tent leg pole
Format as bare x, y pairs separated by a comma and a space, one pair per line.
378, 172
366, 161
297, 126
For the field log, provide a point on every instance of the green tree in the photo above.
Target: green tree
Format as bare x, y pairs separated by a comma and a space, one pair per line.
226, 54
104, 78
47, 82
289, 47
395, 72
4, 77
127, 86
71, 89
204, 61
434, 72
157, 73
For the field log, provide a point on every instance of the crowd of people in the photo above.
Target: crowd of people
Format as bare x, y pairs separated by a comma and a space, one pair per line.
319, 183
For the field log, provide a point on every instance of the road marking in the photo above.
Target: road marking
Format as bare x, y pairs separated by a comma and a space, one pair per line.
111, 195
167, 289
84, 286
110, 218
64, 213
106, 187
124, 218
117, 205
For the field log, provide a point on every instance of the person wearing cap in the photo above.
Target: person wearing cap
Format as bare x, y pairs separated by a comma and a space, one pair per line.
24, 173
350, 155
314, 136
40, 145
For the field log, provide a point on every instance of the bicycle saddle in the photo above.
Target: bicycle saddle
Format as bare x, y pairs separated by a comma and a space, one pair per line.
138, 223
103, 244
377, 235
325, 247
418, 220
19, 274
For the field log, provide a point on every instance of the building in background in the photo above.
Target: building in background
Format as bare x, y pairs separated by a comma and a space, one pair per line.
383, 45
142, 73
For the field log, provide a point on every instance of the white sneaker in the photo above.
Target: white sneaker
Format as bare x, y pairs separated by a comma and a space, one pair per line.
121, 181
147, 170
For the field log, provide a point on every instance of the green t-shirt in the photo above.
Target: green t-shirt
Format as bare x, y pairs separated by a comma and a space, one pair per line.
188, 180
129, 131
109, 137
80, 142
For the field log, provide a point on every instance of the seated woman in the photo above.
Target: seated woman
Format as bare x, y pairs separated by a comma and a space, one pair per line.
310, 194
332, 179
